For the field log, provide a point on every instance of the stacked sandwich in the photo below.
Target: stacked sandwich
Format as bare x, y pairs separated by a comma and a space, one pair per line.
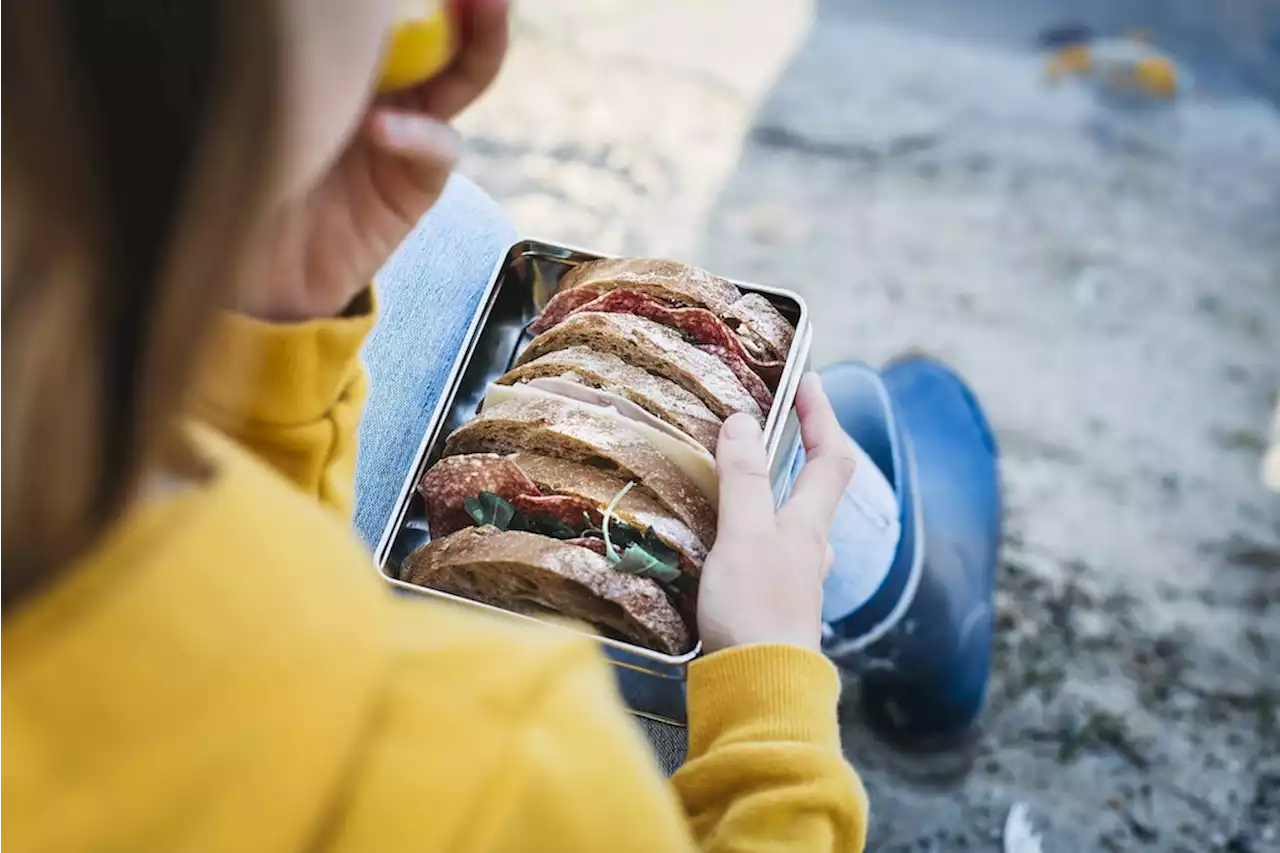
586, 485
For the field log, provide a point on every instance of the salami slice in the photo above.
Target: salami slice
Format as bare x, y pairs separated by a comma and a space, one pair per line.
562, 305
703, 326
576, 512
750, 380
447, 484
573, 511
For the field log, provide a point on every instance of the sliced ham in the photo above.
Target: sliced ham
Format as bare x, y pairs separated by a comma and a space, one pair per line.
567, 385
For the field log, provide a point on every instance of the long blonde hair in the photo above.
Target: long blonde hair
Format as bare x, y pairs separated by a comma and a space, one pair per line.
138, 138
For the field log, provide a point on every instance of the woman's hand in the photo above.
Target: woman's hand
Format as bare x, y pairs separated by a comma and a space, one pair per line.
322, 250
762, 582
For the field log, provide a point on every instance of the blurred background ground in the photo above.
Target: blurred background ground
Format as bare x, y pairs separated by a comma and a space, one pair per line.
1109, 283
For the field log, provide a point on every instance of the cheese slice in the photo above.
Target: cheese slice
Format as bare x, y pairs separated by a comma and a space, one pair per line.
680, 450
568, 386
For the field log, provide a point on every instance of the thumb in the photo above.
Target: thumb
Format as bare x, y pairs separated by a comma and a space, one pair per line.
746, 498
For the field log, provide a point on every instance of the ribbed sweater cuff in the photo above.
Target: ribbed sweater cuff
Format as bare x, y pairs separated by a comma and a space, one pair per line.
762, 693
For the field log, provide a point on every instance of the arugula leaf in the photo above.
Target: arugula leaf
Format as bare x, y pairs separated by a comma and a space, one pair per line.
549, 525
635, 560
659, 549
488, 508
639, 552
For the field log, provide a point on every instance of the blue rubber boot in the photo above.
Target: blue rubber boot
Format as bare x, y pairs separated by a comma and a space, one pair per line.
922, 643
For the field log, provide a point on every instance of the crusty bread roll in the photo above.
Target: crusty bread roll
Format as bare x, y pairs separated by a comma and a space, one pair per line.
762, 327
670, 280
655, 348
533, 574
573, 431
573, 493
607, 372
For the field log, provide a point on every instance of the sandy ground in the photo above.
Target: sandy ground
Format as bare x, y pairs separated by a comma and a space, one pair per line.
1111, 286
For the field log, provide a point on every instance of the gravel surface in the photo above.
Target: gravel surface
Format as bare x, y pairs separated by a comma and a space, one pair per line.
1109, 282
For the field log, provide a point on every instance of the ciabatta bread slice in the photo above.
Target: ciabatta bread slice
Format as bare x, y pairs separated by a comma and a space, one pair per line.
677, 448
637, 508
565, 429
607, 372
671, 280
655, 348
761, 327
679, 284
533, 574
574, 494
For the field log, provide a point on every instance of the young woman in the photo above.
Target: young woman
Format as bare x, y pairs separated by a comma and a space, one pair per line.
196, 652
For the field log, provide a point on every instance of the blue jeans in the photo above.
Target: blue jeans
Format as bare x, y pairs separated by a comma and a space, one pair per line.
428, 292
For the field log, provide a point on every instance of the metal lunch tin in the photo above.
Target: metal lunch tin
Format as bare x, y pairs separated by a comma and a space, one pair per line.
652, 683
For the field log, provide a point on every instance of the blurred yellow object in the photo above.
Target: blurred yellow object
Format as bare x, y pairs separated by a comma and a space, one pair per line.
420, 45
1155, 76
1120, 66
1073, 59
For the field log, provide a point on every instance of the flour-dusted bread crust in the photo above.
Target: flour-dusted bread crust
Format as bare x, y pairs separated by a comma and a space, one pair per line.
671, 280
534, 484
655, 348
566, 429
528, 573
637, 508
655, 394
760, 326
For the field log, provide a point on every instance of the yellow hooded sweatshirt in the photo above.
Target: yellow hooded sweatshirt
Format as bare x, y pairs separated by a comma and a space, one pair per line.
225, 672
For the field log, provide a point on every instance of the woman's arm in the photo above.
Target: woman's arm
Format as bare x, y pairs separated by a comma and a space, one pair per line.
765, 770
537, 753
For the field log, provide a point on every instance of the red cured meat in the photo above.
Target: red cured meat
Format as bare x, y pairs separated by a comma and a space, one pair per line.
447, 484
573, 511
750, 380
699, 323
562, 305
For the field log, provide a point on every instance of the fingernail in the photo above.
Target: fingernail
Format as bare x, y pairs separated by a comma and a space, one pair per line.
811, 381
399, 128
741, 426
417, 132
